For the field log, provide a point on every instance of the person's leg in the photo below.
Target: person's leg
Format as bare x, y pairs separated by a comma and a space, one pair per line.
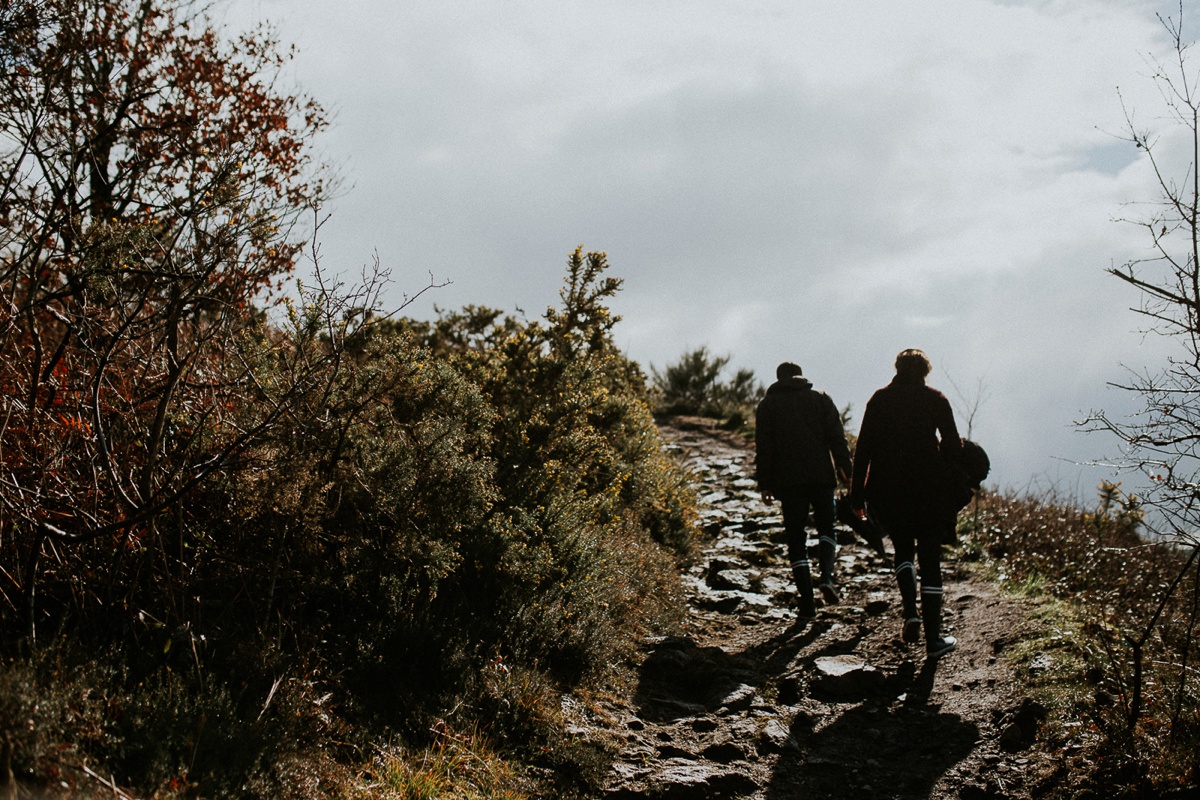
795, 519
929, 554
904, 546
824, 514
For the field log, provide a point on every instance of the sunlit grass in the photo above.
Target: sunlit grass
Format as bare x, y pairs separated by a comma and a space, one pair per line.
453, 767
1092, 586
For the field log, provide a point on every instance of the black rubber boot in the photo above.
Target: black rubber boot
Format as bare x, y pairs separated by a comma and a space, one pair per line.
806, 607
906, 579
931, 612
827, 552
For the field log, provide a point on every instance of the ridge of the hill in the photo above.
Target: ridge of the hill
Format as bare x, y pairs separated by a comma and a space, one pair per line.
747, 703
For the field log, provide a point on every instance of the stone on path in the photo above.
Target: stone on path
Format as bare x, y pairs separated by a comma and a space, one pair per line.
845, 676
680, 779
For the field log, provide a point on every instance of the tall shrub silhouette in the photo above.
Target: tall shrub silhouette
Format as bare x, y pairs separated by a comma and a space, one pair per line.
693, 385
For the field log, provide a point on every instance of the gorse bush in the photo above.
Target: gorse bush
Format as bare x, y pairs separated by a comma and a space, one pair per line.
693, 385
593, 508
244, 539
505, 501
458, 521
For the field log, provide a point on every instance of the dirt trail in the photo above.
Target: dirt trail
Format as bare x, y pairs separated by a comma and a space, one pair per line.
746, 703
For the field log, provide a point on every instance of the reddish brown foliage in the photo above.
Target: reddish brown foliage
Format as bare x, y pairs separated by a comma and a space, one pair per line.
154, 175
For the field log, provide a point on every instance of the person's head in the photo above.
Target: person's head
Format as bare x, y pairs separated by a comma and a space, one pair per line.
912, 364
788, 370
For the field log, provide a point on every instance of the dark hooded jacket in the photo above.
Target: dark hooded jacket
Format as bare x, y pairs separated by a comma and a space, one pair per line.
899, 460
798, 437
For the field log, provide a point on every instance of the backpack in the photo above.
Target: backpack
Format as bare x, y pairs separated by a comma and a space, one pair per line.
975, 462
966, 473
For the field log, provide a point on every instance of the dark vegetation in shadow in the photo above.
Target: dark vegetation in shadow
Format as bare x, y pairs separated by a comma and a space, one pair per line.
476, 516
262, 546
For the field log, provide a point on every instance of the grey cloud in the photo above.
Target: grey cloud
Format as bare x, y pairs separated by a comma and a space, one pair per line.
768, 206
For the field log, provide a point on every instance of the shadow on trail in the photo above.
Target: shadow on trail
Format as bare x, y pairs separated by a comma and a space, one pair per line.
680, 679
882, 748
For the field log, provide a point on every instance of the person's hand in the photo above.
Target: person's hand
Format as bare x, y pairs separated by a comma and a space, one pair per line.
856, 505
767, 497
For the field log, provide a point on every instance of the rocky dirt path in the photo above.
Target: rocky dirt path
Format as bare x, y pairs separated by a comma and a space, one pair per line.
746, 703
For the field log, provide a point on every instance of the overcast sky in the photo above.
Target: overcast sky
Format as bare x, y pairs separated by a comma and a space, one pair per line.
827, 183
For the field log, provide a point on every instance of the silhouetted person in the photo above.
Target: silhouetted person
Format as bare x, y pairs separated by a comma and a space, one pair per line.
801, 452
899, 474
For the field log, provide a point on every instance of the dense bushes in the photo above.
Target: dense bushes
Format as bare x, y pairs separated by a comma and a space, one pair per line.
244, 541
454, 521
552, 563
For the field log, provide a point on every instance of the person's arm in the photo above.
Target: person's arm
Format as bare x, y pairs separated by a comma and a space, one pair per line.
863, 451
951, 442
835, 437
763, 461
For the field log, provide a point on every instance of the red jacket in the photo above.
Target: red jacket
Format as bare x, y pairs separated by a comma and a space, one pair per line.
899, 461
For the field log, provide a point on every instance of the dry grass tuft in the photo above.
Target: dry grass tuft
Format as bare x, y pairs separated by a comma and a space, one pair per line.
1117, 661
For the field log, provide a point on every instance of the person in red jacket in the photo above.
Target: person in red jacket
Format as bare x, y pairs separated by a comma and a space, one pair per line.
800, 451
907, 434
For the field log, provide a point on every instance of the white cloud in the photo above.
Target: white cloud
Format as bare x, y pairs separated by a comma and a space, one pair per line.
824, 182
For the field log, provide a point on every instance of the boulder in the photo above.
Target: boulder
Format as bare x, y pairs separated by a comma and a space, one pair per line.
845, 676
737, 580
775, 737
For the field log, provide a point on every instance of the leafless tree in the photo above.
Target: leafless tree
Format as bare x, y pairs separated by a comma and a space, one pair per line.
1162, 439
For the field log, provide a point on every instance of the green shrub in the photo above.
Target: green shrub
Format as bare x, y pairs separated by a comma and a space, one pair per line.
444, 504
491, 488
163, 733
589, 496
692, 385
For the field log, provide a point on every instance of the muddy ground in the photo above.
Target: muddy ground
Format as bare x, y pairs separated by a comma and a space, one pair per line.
746, 702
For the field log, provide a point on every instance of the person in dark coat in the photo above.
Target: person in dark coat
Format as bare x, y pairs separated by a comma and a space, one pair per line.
801, 451
907, 434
